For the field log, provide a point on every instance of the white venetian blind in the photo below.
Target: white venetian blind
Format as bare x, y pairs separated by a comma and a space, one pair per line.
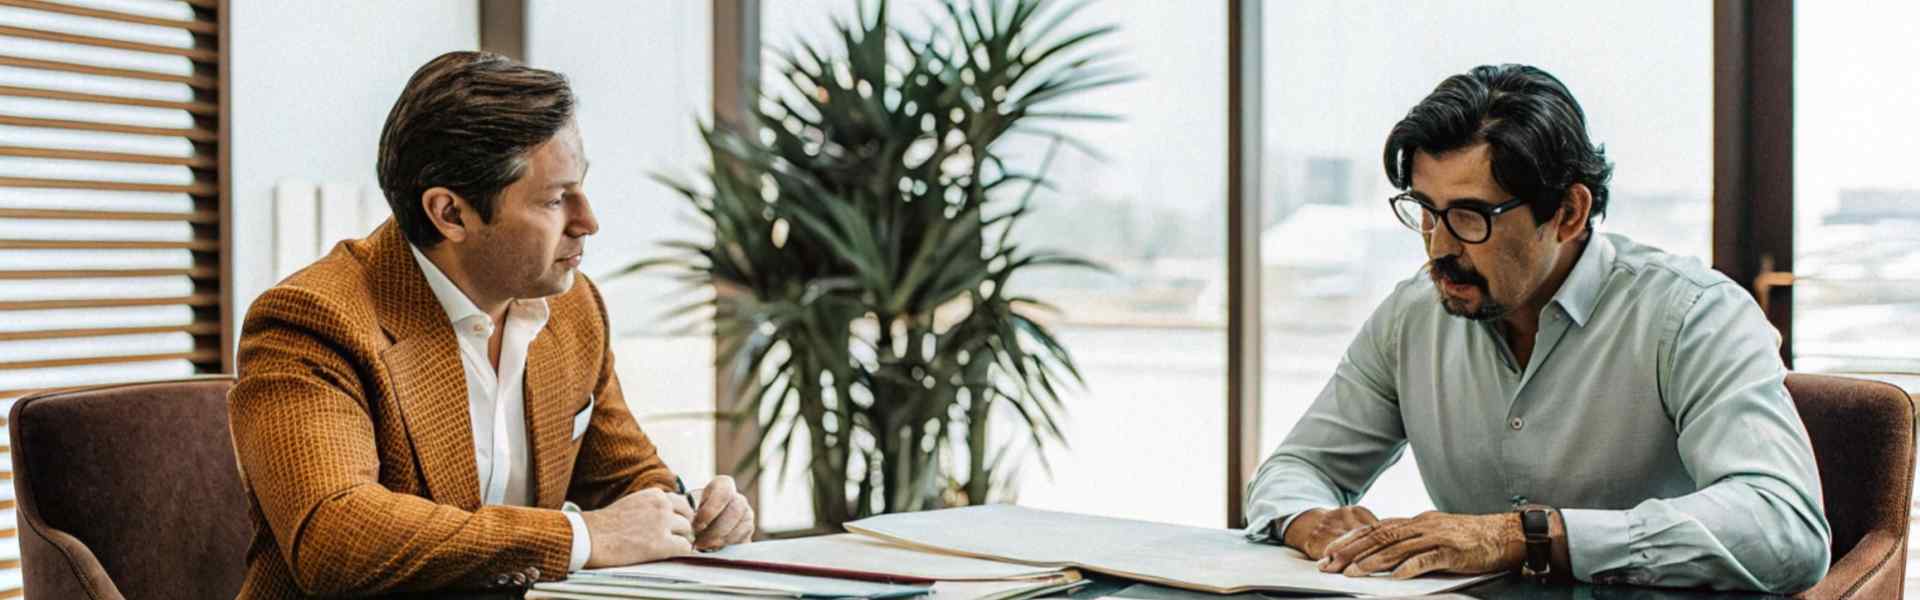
112, 201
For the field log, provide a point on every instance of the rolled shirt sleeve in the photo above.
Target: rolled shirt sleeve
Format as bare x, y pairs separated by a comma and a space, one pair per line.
1347, 438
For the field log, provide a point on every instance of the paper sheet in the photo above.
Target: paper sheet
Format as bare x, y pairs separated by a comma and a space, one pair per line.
699, 582
850, 552
1220, 561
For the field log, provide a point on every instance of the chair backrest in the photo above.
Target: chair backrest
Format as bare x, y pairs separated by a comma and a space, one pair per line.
140, 476
1862, 433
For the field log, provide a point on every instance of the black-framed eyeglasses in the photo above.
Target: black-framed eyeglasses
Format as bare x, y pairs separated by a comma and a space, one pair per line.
1469, 223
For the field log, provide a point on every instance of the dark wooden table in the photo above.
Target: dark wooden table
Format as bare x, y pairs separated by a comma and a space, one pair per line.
1508, 588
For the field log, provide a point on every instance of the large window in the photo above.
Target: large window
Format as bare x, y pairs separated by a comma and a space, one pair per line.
1856, 192
1856, 197
1150, 337
1337, 76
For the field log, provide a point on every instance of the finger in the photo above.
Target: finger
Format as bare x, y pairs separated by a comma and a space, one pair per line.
679, 546
1436, 560
1366, 516
742, 532
713, 503
678, 503
1359, 546
713, 534
1389, 557
679, 526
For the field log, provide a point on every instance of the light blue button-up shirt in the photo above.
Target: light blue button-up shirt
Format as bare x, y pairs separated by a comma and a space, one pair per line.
1653, 413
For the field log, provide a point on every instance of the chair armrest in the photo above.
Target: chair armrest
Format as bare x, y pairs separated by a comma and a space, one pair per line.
1871, 570
78, 576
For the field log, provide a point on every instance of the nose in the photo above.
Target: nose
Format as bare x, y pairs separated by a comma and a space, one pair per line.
1440, 242
580, 220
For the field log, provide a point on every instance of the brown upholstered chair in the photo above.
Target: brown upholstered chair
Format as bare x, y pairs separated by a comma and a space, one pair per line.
1862, 434
129, 491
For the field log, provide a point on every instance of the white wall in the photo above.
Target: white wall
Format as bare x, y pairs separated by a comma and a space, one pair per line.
311, 85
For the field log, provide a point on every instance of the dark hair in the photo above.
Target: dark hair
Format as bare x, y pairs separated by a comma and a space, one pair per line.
466, 122
1535, 132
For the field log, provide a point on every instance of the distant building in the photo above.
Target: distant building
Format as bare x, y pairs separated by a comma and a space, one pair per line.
1867, 206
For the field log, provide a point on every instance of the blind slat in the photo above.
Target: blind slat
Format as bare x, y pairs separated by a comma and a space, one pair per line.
197, 82
68, 214
194, 300
115, 157
81, 11
199, 355
202, 245
198, 108
196, 189
195, 273
49, 334
197, 54
195, 134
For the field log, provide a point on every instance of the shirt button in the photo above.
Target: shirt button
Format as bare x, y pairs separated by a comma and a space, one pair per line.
1517, 423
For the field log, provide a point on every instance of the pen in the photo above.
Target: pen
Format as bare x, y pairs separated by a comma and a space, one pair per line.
682, 484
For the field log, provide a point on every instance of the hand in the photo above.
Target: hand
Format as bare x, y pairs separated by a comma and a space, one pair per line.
1433, 542
724, 519
1314, 530
642, 527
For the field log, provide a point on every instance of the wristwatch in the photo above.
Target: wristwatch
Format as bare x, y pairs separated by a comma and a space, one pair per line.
1536, 522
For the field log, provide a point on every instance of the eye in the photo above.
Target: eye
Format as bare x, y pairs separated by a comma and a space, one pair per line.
554, 203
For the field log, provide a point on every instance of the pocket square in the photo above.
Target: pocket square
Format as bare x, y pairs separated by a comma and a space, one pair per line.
580, 420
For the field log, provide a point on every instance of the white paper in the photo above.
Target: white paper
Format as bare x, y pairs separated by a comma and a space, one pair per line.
699, 580
1196, 558
850, 552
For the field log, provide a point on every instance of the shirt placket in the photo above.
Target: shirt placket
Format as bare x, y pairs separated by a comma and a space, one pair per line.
1520, 454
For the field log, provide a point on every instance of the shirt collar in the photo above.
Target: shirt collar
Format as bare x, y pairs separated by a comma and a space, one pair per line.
461, 312
1581, 290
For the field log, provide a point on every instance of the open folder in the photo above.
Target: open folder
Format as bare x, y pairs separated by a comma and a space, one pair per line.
1220, 561
844, 565
683, 581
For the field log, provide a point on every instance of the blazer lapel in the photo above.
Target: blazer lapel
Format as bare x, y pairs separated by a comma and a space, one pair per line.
549, 390
429, 382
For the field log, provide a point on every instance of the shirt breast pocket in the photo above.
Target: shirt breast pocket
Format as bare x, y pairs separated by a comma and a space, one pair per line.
581, 419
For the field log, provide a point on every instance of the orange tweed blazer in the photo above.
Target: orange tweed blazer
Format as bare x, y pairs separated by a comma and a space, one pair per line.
351, 427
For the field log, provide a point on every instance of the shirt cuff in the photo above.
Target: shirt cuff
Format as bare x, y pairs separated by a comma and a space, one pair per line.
582, 541
1598, 541
1257, 530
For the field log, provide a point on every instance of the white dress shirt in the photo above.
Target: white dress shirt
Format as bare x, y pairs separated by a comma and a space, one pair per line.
496, 401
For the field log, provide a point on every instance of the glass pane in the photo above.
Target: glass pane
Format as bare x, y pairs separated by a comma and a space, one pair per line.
1856, 193
1337, 78
1148, 337
641, 75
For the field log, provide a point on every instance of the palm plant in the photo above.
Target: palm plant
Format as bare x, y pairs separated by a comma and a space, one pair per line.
862, 253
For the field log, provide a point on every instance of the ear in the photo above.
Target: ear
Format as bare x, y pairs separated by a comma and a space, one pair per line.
449, 213
1571, 221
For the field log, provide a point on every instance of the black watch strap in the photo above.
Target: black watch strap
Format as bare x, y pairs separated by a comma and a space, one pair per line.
1536, 522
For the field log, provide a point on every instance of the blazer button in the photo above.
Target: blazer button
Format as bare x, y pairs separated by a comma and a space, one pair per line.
520, 579
1518, 423
533, 573
502, 580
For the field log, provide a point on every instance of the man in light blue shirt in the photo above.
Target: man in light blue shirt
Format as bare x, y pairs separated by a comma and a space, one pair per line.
1581, 404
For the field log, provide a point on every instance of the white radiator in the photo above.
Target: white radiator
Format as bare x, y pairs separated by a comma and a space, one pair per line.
309, 218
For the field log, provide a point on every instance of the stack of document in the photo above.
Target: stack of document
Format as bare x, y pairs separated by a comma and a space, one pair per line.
1219, 561
834, 566
983, 553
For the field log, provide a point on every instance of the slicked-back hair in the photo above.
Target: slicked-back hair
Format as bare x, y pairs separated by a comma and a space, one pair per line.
1535, 131
466, 122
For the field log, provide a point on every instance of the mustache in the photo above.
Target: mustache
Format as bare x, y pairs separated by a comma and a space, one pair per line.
1449, 267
